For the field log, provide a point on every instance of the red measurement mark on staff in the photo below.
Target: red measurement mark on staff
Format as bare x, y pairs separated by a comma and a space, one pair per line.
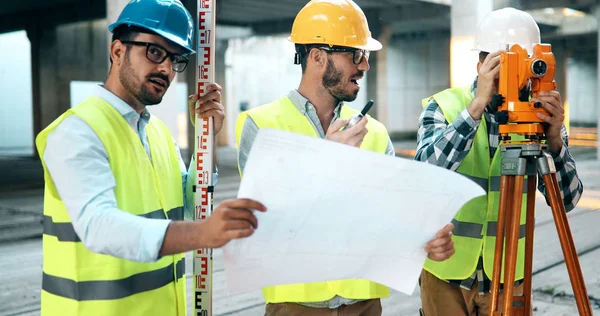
202, 20
201, 87
199, 161
205, 129
202, 251
203, 72
206, 56
204, 37
201, 282
202, 277
201, 212
204, 196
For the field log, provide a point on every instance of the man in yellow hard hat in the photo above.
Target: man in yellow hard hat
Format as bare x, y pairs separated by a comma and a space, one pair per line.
333, 43
114, 200
458, 131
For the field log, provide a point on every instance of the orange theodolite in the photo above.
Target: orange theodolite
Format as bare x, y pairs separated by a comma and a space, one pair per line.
517, 71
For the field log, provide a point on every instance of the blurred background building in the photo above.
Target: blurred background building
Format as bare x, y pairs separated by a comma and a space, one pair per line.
53, 52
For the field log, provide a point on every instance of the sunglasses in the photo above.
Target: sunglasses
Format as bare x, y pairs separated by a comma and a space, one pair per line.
358, 55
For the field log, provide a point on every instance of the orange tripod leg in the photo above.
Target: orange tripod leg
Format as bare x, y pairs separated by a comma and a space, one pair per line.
567, 244
506, 184
530, 226
512, 240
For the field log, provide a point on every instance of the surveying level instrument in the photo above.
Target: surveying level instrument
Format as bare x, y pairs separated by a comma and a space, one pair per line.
527, 156
204, 149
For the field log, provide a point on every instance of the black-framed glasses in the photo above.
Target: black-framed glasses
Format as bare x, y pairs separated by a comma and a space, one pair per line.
158, 54
357, 54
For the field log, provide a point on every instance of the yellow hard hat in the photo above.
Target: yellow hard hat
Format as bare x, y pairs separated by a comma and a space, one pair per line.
335, 23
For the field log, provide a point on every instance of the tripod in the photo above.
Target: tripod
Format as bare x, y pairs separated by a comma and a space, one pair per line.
520, 158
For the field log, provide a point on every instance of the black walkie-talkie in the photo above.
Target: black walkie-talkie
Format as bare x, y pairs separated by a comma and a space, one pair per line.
356, 118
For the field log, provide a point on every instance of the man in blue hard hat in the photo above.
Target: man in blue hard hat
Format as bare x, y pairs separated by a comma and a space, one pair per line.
116, 186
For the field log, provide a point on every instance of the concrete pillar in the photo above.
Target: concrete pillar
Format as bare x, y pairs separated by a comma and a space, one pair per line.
61, 54
377, 75
465, 16
113, 9
82, 55
44, 76
381, 73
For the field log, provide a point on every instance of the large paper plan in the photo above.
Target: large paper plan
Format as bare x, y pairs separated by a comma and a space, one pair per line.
339, 212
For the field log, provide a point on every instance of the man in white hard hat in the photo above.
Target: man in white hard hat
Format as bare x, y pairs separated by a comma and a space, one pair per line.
457, 131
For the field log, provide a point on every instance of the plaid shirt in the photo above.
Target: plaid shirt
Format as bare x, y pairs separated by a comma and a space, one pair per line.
446, 145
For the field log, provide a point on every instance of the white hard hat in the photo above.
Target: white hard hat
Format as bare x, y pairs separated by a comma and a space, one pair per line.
506, 27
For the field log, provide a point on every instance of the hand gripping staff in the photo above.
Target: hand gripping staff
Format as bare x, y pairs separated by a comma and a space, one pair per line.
204, 149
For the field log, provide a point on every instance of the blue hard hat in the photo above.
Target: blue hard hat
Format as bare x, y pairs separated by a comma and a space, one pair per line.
167, 18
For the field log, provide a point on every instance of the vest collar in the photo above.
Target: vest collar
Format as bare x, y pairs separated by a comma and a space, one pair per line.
304, 106
128, 113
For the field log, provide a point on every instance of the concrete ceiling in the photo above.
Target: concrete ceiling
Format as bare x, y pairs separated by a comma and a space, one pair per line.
276, 16
261, 16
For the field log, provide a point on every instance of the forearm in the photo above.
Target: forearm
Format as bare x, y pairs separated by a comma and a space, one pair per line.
568, 180
105, 229
183, 236
443, 144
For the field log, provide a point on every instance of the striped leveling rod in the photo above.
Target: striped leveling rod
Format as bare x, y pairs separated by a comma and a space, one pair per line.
204, 146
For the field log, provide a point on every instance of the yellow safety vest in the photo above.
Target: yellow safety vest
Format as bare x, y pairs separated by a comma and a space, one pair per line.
283, 115
475, 223
77, 281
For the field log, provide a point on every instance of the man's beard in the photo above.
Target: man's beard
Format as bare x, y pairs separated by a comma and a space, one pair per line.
332, 81
136, 89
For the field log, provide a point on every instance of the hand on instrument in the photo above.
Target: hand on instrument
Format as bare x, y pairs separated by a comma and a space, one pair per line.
551, 101
487, 74
208, 105
232, 219
442, 247
352, 136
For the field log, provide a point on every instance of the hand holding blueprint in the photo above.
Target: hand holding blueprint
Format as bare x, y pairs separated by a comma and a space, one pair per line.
338, 212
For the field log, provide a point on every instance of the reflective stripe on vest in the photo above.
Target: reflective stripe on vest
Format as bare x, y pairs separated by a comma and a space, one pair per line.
113, 289
492, 228
482, 182
283, 115
466, 229
473, 230
66, 232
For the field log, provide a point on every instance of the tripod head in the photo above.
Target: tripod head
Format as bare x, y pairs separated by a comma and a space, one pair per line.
519, 72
